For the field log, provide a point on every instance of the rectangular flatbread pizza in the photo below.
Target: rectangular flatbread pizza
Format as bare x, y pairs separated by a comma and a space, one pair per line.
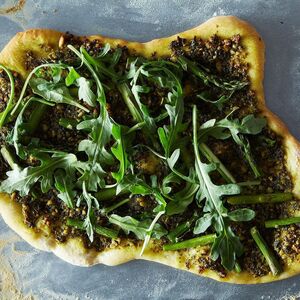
114, 150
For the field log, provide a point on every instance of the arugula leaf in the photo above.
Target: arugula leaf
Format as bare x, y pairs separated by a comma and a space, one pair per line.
182, 199
139, 228
137, 186
219, 102
53, 92
203, 223
85, 92
22, 180
64, 183
71, 77
209, 78
226, 244
92, 203
225, 128
119, 152
100, 131
26, 83
84, 56
241, 215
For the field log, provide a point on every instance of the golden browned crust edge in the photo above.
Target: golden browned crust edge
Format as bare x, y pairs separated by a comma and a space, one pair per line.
41, 41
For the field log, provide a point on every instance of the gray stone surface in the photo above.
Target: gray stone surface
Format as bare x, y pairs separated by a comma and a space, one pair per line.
45, 276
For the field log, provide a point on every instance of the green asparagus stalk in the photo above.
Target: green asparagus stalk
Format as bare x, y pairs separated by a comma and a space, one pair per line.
35, 117
262, 198
266, 251
109, 193
108, 232
281, 222
198, 241
180, 230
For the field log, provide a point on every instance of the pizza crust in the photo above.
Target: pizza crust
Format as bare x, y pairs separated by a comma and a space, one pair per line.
42, 41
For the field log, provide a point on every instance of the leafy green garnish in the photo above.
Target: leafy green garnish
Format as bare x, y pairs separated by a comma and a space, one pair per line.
119, 152
64, 183
137, 186
71, 77
54, 92
22, 180
85, 91
209, 78
92, 203
226, 128
19, 103
95, 147
226, 245
139, 228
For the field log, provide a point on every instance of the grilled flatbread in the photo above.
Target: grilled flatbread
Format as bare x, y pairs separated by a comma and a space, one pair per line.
230, 53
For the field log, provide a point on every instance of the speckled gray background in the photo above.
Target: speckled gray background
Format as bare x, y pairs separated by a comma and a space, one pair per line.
45, 276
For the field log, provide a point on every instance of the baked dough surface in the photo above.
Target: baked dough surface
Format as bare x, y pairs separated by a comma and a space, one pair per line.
42, 41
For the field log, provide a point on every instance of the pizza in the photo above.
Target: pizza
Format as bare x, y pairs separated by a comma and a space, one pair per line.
114, 150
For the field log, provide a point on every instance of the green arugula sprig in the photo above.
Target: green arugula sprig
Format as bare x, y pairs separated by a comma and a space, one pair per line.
136, 186
139, 228
208, 78
227, 245
229, 87
22, 180
226, 128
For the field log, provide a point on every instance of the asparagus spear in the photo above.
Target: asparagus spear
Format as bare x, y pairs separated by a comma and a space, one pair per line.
109, 193
111, 233
180, 229
261, 198
198, 241
266, 251
281, 222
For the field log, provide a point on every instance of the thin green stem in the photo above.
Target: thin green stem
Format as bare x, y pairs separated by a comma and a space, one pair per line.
206, 151
8, 157
9, 104
198, 241
266, 251
127, 97
261, 198
282, 222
